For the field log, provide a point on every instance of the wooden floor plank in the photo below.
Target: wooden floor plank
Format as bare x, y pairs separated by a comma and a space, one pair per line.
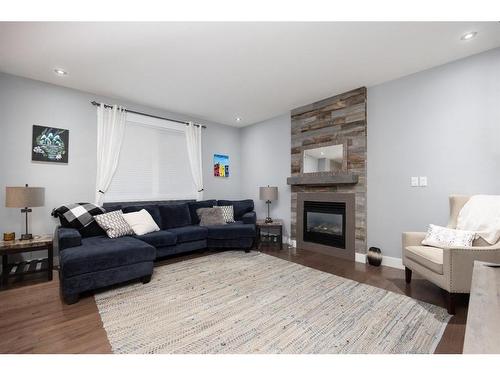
33, 318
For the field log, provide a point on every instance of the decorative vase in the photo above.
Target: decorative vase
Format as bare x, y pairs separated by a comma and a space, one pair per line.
374, 256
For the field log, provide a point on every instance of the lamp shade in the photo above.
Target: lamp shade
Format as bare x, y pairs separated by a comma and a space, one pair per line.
24, 196
268, 193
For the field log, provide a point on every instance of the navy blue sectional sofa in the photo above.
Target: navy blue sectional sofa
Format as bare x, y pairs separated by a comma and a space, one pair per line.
97, 261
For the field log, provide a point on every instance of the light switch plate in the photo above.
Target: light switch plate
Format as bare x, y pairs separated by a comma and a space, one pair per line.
414, 181
423, 180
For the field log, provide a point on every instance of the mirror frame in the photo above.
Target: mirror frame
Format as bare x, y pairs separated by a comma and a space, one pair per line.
326, 144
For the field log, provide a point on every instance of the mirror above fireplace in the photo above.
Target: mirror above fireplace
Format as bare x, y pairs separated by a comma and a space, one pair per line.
329, 159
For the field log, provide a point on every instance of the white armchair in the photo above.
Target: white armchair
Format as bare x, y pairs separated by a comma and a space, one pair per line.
448, 268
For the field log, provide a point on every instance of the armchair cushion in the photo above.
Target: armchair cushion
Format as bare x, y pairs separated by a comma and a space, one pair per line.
427, 256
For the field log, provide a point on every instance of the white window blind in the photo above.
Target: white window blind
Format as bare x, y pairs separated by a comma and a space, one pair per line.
153, 163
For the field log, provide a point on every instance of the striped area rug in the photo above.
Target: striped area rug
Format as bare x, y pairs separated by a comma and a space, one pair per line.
233, 302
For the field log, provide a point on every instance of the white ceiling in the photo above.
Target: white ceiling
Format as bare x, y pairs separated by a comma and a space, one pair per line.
220, 71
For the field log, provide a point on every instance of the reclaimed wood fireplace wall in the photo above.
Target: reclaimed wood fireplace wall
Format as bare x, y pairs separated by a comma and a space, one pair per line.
340, 119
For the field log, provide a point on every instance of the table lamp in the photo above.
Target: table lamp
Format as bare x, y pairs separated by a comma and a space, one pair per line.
268, 194
24, 197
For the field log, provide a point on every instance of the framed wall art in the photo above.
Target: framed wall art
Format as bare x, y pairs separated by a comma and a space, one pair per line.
49, 144
221, 165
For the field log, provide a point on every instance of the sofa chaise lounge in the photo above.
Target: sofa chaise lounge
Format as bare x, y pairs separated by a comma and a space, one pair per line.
91, 262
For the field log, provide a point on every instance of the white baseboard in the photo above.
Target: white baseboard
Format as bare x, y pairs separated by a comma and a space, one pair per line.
386, 261
361, 258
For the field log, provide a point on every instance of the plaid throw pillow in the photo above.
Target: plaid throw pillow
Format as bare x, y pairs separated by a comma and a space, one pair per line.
77, 215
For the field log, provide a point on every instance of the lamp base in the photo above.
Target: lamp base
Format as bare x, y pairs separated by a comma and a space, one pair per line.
268, 220
27, 236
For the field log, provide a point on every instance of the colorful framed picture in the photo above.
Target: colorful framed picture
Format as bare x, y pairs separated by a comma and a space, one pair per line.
49, 144
221, 165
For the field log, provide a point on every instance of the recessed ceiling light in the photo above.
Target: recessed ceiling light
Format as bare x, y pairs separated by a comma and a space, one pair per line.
60, 72
238, 119
470, 35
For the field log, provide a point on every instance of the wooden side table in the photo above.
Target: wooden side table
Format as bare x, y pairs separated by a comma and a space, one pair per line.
265, 233
42, 242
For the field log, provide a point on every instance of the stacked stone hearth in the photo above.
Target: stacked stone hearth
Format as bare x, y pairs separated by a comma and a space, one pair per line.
336, 120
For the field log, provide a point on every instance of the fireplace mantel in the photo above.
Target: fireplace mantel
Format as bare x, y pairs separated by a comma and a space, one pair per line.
322, 179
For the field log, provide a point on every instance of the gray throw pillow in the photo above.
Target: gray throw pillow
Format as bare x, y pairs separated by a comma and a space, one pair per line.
210, 216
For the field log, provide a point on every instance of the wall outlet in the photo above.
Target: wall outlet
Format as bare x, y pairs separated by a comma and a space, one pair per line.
423, 181
414, 181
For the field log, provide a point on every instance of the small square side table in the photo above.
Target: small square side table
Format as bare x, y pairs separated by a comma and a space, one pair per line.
42, 242
270, 233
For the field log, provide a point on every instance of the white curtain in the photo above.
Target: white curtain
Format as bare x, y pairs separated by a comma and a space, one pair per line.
193, 140
110, 133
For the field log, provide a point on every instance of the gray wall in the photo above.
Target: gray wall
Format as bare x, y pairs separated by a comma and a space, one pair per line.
443, 123
265, 152
24, 102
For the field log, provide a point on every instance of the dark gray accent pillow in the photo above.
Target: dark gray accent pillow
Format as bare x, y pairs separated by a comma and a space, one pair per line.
193, 206
210, 216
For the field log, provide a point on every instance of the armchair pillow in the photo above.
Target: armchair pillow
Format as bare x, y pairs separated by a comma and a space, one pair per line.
445, 237
141, 222
114, 224
210, 216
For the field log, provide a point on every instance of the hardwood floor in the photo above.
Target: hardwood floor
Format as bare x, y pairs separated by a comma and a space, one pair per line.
33, 319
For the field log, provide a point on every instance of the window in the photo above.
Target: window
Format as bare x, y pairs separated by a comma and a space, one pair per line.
153, 163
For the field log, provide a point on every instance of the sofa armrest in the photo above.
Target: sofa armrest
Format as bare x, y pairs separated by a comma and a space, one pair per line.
249, 218
66, 237
413, 238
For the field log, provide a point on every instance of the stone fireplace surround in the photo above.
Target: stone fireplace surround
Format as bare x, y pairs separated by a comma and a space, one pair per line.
340, 119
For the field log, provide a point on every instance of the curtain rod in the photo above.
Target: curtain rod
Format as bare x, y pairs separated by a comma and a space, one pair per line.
148, 115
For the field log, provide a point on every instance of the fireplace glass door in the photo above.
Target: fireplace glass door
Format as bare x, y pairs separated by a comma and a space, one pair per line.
324, 223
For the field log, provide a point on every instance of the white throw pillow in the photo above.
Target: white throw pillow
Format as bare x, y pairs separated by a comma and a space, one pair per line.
228, 213
445, 237
141, 222
113, 224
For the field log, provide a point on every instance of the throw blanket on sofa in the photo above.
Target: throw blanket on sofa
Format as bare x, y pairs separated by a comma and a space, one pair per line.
481, 214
